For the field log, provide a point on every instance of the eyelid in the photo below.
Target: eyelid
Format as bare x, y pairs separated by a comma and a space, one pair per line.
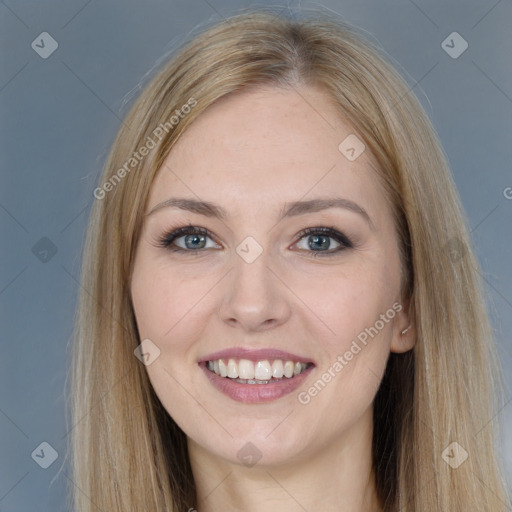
330, 231
174, 233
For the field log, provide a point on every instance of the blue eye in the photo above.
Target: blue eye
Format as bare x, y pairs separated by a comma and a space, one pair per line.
193, 240
319, 241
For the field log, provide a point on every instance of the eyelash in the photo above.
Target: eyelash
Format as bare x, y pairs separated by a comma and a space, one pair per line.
166, 240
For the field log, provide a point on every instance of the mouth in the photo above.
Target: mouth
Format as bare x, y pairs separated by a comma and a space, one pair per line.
245, 371
255, 376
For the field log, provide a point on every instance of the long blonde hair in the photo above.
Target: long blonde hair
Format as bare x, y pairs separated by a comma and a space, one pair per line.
127, 453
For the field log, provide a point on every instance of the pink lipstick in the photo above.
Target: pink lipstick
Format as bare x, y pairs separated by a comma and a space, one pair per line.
255, 376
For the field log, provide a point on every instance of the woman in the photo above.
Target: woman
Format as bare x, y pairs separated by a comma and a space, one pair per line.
280, 305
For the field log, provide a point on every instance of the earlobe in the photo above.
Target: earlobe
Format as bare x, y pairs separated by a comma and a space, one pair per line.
404, 333
403, 340
405, 330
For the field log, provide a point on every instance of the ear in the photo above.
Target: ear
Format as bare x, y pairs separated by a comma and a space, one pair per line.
404, 332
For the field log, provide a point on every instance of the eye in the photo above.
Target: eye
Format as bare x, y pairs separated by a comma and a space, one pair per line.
187, 239
318, 241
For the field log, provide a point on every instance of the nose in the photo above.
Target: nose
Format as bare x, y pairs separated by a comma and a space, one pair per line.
255, 298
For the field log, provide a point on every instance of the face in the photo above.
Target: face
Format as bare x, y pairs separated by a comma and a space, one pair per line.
274, 310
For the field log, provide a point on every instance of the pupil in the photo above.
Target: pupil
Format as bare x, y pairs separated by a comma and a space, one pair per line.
193, 239
322, 240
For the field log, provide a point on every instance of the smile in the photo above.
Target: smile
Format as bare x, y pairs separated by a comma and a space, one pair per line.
255, 376
245, 371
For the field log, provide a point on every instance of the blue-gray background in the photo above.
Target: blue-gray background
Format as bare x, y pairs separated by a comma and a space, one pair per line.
59, 116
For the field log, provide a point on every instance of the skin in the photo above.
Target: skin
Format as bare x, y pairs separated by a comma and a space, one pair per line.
250, 153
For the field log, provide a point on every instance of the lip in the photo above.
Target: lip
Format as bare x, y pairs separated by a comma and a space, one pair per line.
255, 393
255, 355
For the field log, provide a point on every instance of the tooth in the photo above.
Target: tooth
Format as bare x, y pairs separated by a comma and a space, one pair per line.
246, 369
216, 367
262, 370
277, 369
210, 365
297, 369
288, 369
232, 369
223, 369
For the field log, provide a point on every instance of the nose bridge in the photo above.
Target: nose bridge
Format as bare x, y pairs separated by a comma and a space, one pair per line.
254, 297
251, 270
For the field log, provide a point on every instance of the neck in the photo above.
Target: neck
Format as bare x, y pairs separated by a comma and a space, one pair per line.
338, 477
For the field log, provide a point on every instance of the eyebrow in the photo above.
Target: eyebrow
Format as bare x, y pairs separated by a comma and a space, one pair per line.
291, 209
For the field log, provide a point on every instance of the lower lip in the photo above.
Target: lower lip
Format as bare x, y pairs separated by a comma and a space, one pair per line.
255, 393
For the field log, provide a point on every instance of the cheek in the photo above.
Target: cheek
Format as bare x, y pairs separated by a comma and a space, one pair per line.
354, 360
164, 309
163, 301
344, 302
360, 306
148, 300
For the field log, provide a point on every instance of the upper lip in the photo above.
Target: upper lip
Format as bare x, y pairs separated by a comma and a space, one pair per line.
254, 355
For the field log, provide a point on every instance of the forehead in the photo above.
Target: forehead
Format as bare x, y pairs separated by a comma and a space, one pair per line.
256, 148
